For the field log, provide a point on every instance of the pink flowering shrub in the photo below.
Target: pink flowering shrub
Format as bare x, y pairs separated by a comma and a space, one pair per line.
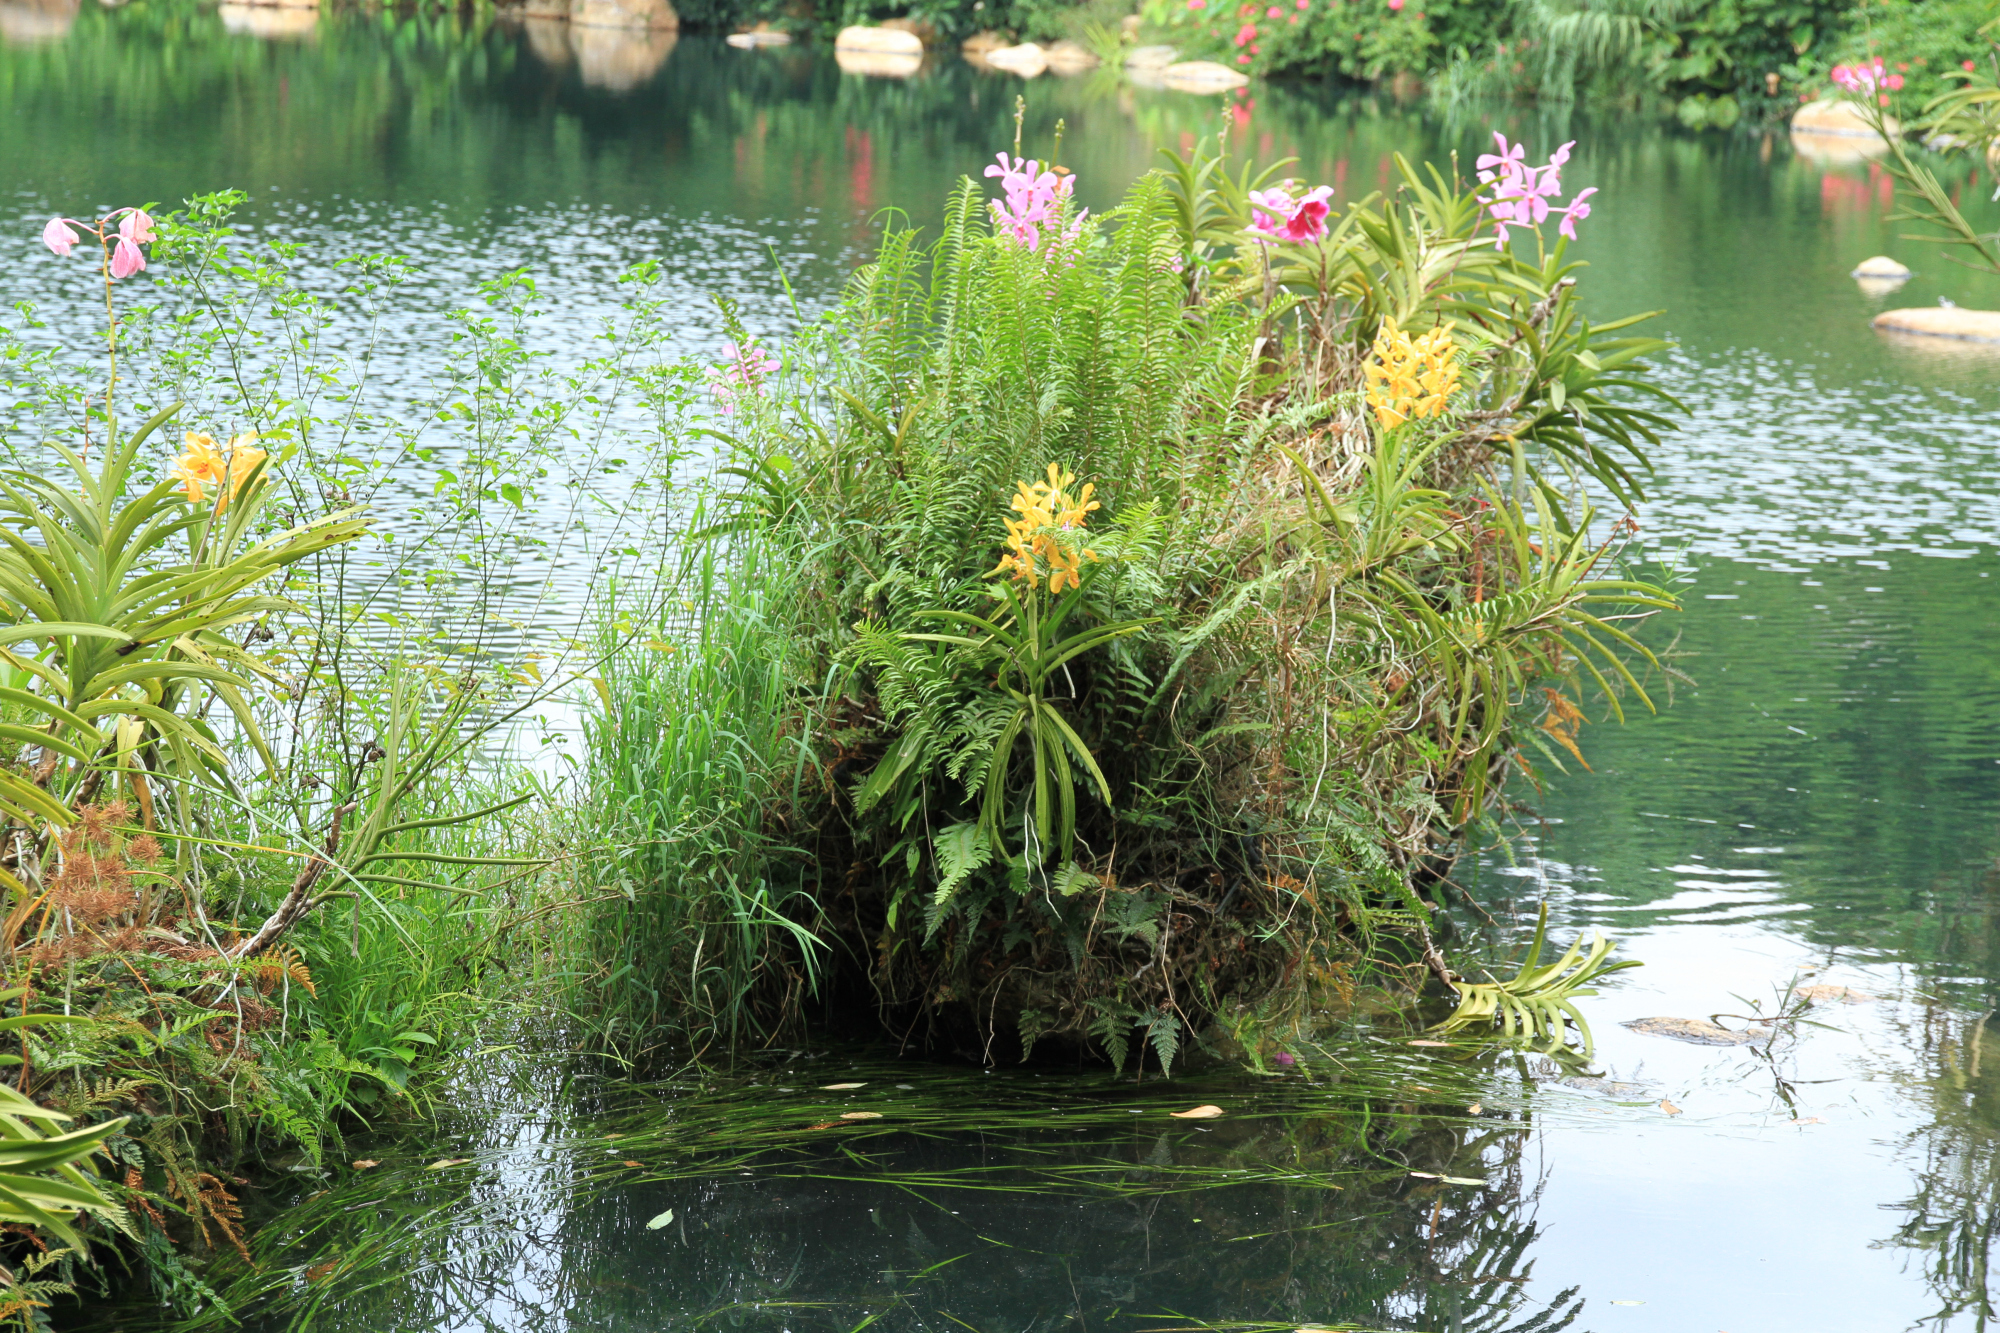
1355, 39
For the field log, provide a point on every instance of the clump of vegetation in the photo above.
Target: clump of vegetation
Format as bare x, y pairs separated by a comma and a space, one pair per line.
1157, 612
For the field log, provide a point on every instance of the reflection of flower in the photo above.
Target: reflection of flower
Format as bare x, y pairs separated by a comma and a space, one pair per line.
203, 465
1411, 378
1048, 510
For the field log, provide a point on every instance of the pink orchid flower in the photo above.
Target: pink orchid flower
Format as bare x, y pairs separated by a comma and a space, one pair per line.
748, 367
135, 228
1506, 162
1577, 211
60, 237
1033, 196
1276, 213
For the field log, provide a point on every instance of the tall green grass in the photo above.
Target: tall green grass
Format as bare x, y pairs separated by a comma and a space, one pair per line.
695, 754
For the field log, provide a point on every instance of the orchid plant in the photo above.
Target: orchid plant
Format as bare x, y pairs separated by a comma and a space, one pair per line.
1037, 196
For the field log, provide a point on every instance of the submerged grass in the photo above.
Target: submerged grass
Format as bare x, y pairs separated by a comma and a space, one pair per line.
1372, 1141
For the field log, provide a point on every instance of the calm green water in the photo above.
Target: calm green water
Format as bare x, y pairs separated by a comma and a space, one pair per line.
1823, 794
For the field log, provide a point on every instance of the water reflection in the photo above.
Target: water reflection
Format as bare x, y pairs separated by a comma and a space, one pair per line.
27, 22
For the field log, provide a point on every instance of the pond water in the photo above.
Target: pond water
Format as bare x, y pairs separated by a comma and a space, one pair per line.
1820, 804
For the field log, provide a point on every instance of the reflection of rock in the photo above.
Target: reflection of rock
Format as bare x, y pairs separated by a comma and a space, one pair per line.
269, 21
549, 40
1201, 76
1027, 60
759, 36
1150, 57
619, 59
1947, 322
883, 41
1068, 57
878, 64
652, 15
25, 22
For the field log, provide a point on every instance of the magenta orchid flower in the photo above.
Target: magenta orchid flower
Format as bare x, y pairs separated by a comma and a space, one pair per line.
135, 228
1277, 214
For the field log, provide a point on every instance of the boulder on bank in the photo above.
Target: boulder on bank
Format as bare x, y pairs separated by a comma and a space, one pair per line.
879, 41
1201, 76
1936, 321
981, 44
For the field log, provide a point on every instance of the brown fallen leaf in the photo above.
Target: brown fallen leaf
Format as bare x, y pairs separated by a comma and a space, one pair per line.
1845, 994
444, 1162
1197, 1113
860, 1115
825, 1124
842, 1087
1430, 1043
1669, 1107
1474, 1109
631, 1164
318, 1272
365, 1164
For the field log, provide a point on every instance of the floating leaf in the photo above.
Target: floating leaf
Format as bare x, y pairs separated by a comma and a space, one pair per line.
825, 1124
630, 1163
444, 1162
842, 1087
1669, 1107
1198, 1113
661, 1220
365, 1164
318, 1272
860, 1115
1474, 1109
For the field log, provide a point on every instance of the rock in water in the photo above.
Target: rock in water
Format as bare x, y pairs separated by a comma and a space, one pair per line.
1201, 76
979, 44
1879, 266
1979, 326
1697, 1030
1837, 118
1027, 60
881, 41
